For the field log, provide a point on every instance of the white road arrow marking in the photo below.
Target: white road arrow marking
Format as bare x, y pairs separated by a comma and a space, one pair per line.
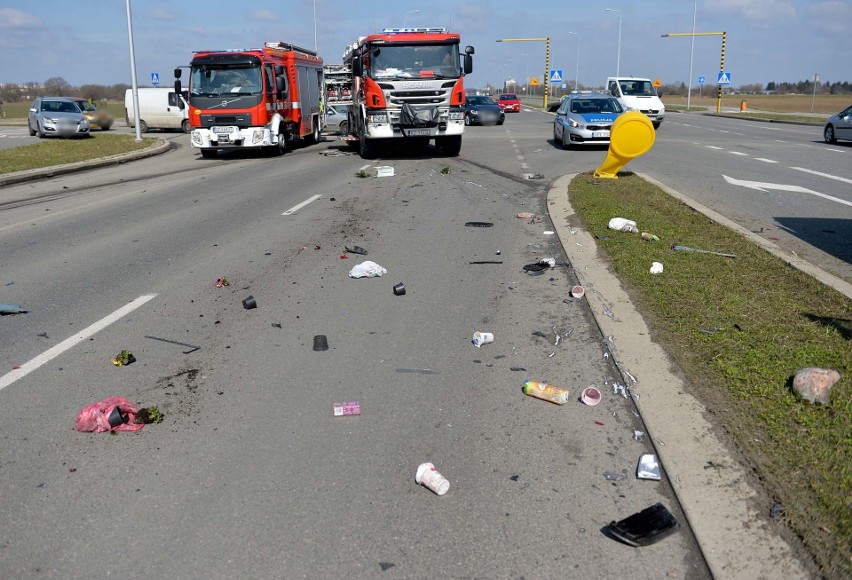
781, 187
821, 174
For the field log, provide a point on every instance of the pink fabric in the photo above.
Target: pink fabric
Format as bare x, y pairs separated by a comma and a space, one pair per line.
95, 417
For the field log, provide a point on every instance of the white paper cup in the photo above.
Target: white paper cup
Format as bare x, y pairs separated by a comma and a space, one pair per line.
480, 338
591, 396
578, 291
428, 476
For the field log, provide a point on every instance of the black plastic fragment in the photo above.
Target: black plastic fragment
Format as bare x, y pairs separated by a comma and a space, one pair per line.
486, 262
478, 224
646, 527
320, 342
355, 250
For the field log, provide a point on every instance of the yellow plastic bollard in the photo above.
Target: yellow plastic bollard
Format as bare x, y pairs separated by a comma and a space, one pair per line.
742, 106
632, 135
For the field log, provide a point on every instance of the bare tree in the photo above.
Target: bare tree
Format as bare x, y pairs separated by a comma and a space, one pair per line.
57, 86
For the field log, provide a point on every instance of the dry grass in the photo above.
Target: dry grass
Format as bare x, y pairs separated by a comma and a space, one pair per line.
824, 104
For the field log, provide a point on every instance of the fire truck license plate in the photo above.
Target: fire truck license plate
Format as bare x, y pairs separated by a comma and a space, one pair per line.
418, 132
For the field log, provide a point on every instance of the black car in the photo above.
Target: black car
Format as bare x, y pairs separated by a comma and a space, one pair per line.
482, 110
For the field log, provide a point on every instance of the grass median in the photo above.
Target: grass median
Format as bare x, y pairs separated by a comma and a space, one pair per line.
55, 151
740, 328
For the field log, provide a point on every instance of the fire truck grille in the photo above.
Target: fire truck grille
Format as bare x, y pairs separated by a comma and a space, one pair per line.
427, 96
224, 120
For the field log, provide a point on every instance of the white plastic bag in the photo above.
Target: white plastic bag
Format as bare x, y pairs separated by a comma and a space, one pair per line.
367, 269
623, 225
656, 268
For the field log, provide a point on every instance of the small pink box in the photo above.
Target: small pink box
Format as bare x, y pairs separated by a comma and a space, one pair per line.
349, 408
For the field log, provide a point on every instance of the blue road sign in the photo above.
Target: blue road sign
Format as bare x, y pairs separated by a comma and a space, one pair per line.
701, 80
724, 78
155, 79
556, 75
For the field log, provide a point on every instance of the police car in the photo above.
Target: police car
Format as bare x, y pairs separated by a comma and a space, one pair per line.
585, 118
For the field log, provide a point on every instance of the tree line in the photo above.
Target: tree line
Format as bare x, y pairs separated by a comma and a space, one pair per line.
59, 87
785, 88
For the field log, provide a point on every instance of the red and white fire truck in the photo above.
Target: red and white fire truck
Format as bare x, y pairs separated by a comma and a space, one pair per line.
252, 98
407, 84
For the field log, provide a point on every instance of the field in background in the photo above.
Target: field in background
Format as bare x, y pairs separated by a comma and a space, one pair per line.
825, 104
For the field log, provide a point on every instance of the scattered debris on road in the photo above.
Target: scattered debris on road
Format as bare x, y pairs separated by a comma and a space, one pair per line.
192, 347
814, 384
367, 269
648, 467
346, 409
124, 358
429, 477
644, 528
679, 248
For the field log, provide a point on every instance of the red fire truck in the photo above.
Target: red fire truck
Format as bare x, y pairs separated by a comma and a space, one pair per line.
251, 98
407, 84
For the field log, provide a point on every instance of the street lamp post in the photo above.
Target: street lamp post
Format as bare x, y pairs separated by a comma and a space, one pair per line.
404, 16
577, 68
315, 26
691, 53
618, 61
133, 73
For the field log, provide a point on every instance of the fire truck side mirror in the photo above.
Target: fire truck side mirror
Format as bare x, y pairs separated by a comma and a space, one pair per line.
468, 64
178, 73
280, 86
357, 70
178, 92
468, 49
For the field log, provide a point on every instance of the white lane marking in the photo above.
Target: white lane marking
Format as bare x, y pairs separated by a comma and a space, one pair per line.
737, 153
821, 174
299, 206
759, 186
68, 343
764, 160
835, 150
714, 147
723, 131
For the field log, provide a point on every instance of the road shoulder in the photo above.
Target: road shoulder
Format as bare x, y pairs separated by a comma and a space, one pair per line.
158, 147
725, 511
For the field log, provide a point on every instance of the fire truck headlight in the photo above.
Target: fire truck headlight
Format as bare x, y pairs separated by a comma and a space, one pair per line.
257, 136
196, 138
377, 118
456, 115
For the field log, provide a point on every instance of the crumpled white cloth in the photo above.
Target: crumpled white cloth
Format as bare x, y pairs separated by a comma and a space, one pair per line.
656, 268
367, 269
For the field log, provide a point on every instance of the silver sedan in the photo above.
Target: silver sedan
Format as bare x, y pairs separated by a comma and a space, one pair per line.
58, 117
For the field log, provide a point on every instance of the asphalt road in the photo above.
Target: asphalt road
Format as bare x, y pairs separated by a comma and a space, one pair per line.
250, 474
778, 180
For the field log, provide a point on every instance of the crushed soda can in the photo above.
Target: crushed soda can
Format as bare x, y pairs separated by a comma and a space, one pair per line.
480, 338
347, 408
546, 392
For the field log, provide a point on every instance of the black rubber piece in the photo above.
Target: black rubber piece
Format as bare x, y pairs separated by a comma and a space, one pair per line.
249, 303
355, 250
399, 289
320, 342
478, 224
116, 418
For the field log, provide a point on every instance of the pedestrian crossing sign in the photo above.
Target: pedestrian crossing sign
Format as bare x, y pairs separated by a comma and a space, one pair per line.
556, 75
724, 78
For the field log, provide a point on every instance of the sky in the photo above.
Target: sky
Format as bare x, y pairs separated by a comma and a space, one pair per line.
86, 41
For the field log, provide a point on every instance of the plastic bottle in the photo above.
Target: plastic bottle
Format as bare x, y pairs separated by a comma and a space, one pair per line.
546, 392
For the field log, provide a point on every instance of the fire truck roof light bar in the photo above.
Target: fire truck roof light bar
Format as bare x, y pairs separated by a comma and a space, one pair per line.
276, 45
395, 30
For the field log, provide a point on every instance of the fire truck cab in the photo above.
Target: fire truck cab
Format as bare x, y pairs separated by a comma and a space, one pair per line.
253, 98
407, 84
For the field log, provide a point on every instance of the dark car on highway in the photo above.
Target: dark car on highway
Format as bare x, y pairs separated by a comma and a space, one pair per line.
482, 110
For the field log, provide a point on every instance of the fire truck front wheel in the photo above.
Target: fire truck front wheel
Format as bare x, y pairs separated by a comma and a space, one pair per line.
366, 148
281, 148
451, 146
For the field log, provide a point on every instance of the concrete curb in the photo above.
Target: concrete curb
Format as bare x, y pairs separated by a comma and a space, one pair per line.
160, 146
732, 528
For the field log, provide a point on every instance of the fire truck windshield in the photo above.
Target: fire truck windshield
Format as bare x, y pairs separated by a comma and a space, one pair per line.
214, 81
414, 61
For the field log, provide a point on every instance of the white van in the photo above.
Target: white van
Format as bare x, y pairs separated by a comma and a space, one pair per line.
158, 109
637, 94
